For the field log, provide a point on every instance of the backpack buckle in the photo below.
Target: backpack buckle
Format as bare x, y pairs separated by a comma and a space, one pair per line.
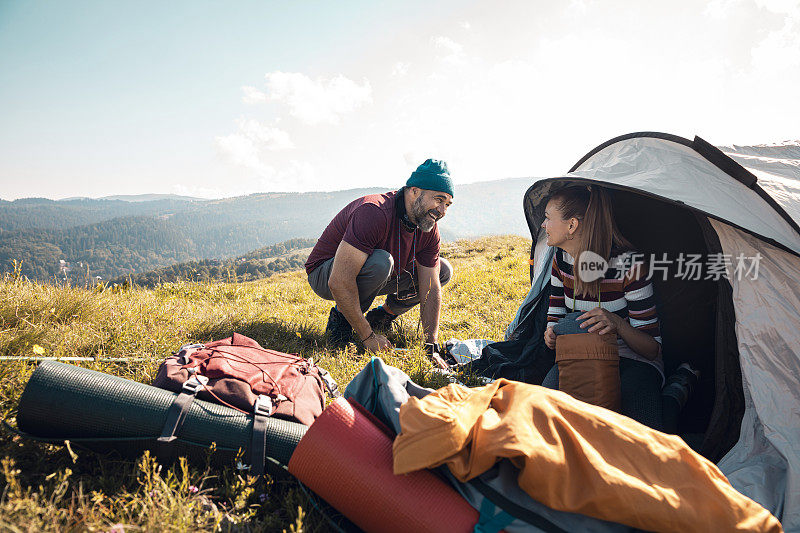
185, 350
263, 406
329, 383
194, 383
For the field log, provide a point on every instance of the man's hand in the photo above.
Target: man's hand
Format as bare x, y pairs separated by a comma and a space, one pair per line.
432, 351
439, 362
377, 343
600, 321
550, 338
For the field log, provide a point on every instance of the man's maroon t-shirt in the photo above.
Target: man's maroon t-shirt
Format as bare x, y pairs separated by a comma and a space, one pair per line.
371, 223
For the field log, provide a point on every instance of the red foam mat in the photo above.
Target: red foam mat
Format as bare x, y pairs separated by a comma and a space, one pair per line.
346, 459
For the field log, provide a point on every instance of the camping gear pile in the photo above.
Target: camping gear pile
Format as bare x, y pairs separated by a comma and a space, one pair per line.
673, 198
108, 413
244, 390
351, 458
239, 373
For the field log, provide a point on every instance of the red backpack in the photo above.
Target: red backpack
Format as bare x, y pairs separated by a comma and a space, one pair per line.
239, 373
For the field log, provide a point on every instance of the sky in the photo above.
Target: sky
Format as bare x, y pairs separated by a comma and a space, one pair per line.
220, 99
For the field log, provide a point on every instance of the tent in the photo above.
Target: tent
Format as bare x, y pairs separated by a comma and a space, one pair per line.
739, 323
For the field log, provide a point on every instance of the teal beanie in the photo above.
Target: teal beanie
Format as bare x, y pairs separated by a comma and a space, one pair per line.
433, 176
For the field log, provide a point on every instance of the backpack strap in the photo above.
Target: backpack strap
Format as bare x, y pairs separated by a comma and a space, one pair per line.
165, 445
489, 522
330, 383
515, 510
258, 449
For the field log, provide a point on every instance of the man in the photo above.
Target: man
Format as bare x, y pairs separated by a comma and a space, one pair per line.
385, 244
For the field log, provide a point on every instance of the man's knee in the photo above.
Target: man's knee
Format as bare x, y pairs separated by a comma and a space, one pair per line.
378, 266
318, 279
445, 271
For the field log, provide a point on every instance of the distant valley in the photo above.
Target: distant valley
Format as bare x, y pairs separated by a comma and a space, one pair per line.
80, 239
262, 263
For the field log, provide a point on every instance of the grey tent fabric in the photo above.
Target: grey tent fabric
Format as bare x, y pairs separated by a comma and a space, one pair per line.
765, 463
675, 171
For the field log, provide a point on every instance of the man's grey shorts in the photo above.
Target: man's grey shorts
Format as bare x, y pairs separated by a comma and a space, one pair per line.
375, 278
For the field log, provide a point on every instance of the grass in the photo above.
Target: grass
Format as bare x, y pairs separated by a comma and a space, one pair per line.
55, 488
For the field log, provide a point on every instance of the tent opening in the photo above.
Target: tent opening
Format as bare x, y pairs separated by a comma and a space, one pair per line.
697, 317
696, 314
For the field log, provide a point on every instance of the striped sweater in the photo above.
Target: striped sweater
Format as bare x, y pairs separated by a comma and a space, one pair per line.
624, 290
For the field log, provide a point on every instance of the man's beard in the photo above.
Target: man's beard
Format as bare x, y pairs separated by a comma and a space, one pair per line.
422, 218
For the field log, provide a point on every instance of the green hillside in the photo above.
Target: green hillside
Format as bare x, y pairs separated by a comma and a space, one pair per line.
42, 213
51, 488
80, 240
262, 263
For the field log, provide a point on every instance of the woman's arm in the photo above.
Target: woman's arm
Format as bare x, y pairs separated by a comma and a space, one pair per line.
639, 341
601, 321
642, 333
557, 309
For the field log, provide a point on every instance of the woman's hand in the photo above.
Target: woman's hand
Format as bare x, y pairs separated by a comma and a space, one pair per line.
600, 321
550, 338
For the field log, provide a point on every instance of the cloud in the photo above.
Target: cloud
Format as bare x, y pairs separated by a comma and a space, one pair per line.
577, 7
320, 101
779, 51
246, 147
497, 103
270, 137
241, 151
252, 95
774, 29
784, 7
400, 69
720, 9
294, 175
453, 51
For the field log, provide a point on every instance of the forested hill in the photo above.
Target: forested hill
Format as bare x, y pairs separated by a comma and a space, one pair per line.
258, 264
84, 239
41, 213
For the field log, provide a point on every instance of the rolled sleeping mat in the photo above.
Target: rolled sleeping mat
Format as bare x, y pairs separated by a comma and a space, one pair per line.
347, 460
105, 413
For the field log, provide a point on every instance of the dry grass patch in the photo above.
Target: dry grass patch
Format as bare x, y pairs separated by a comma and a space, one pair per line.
47, 488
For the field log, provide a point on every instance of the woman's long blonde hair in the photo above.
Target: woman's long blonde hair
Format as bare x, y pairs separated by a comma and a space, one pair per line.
598, 232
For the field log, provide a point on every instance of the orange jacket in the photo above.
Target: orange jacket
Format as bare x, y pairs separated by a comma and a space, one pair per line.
573, 457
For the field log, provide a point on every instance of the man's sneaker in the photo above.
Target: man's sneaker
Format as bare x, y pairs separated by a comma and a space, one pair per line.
339, 331
379, 319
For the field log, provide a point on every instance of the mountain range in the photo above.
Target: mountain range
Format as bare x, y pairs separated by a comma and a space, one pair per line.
80, 239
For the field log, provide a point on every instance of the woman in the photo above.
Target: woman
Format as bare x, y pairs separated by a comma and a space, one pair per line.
579, 219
